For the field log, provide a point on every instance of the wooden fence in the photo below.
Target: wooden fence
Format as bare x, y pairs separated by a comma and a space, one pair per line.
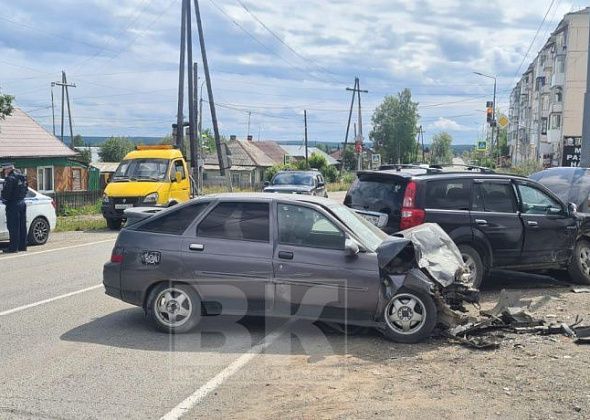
74, 199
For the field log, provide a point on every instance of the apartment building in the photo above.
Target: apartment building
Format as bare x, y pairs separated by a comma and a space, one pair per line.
547, 104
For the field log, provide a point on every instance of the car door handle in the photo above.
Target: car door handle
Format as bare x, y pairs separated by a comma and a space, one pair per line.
196, 247
481, 221
285, 255
532, 223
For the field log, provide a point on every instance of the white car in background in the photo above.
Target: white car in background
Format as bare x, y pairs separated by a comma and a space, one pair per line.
40, 217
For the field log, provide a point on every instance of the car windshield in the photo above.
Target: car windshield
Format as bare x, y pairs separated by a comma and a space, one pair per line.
370, 235
293, 179
141, 169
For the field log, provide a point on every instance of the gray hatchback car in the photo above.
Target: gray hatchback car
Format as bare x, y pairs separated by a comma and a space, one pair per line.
281, 255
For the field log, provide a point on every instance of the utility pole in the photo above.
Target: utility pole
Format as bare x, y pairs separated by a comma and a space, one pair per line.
305, 121
249, 117
179, 140
354, 90
53, 108
192, 77
358, 138
422, 137
224, 168
585, 152
200, 140
65, 94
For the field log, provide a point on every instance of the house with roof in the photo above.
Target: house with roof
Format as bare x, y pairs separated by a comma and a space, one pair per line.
50, 166
297, 153
248, 165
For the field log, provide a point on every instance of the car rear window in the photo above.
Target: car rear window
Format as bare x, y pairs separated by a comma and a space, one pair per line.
376, 193
176, 221
237, 221
449, 194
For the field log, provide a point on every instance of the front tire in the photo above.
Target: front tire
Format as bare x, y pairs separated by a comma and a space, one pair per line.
579, 268
474, 263
409, 316
173, 308
114, 224
38, 231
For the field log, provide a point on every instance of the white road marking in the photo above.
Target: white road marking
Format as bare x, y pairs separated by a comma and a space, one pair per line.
28, 254
214, 383
43, 302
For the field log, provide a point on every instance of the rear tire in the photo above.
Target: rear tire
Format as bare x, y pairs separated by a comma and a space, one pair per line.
409, 317
114, 224
173, 308
579, 268
38, 231
475, 264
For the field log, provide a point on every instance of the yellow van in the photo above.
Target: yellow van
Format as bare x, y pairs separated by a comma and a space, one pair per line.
149, 176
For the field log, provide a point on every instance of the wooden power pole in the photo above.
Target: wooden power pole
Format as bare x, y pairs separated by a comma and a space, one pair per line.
65, 95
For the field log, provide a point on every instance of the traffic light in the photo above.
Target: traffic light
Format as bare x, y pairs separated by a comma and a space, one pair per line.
489, 111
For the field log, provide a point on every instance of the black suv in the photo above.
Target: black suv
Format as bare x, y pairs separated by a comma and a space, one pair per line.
297, 182
497, 221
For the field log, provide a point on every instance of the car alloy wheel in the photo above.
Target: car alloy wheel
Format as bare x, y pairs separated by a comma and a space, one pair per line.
584, 259
173, 307
405, 314
471, 268
39, 231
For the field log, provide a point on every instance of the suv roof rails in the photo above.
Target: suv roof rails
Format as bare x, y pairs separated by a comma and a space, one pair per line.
473, 168
400, 166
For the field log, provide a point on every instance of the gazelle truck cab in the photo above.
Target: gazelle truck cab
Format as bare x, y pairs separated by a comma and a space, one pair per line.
149, 176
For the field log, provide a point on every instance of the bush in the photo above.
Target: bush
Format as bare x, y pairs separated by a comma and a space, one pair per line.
526, 168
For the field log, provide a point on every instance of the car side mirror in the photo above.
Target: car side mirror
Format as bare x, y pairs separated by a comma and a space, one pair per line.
321, 184
177, 177
266, 184
351, 247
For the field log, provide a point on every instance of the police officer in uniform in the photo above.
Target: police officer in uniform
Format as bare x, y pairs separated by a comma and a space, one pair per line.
13, 196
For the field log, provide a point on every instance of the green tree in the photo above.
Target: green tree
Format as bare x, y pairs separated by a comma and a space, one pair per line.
115, 149
78, 141
502, 148
441, 150
6, 107
394, 128
272, 171
349, 159
167, 139
85, 156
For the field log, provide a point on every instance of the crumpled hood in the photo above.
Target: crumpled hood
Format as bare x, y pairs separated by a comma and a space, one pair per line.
288, 188
435, 252
134, 189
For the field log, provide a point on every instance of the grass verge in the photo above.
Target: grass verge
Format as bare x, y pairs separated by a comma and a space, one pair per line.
79, 223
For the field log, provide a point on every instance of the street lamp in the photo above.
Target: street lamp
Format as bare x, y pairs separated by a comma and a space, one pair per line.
493, 108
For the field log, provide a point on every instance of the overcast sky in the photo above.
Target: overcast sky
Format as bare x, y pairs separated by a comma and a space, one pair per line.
272, 58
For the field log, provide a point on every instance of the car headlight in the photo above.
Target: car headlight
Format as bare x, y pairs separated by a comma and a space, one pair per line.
105, 199
151, 198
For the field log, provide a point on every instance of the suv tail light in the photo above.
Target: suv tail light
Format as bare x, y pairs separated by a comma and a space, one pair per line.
410, 215
117, 255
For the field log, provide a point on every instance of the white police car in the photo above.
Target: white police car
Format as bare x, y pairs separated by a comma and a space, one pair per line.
40, 217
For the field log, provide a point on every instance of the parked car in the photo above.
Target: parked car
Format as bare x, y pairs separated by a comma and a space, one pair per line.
283, 255
297, 182
40, 217
497, 221
571, 185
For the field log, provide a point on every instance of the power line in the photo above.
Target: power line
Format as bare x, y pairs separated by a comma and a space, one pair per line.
262, 44
534, 38
278, 38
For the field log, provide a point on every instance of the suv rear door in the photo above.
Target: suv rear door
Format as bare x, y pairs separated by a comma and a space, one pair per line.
381, 193
550, 232
494, 216
447, 202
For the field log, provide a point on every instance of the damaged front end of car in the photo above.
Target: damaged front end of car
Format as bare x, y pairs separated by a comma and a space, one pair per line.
426, 260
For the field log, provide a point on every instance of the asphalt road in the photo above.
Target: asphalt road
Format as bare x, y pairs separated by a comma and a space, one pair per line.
68, 351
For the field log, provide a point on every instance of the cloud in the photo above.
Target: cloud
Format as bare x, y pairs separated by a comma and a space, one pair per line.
123, 55
446, 124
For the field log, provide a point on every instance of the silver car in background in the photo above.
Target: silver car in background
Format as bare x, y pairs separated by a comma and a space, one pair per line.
287, 256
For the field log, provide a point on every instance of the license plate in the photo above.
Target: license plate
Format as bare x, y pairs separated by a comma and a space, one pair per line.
123, 206
370, 218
